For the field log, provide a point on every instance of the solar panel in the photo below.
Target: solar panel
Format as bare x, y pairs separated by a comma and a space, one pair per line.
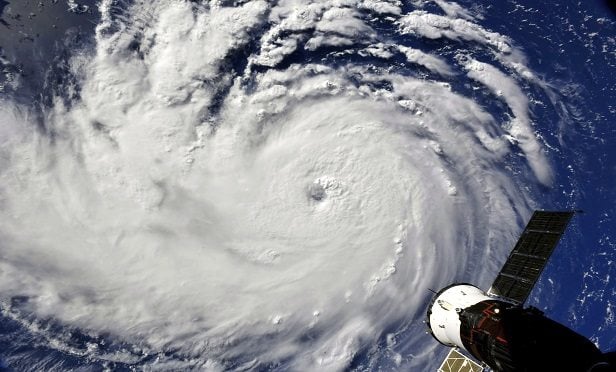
529, 256
457, 362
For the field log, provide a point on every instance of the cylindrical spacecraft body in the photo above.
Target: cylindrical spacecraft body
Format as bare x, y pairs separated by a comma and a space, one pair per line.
506, 336
444, 311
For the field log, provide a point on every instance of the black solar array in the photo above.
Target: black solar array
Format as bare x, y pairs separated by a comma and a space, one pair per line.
532, 251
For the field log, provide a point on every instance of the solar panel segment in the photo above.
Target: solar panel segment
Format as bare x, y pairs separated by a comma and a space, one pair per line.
458, 362
520, 272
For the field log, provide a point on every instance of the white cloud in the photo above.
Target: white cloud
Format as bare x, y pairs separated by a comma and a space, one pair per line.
435, 26
317, 199
431, 62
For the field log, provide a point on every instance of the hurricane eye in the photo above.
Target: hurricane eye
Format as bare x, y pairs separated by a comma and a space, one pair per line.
316, 192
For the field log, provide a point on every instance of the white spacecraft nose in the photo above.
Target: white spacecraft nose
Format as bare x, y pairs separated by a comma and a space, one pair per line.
444, 311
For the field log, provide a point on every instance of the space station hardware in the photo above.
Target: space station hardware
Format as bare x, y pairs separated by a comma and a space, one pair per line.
458, 362
496, 329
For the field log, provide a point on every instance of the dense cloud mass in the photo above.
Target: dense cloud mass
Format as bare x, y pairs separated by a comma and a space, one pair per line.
251, 185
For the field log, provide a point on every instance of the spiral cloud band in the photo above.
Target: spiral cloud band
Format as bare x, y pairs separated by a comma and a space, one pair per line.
266, 185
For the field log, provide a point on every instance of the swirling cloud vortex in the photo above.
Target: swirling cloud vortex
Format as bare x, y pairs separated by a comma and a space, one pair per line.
266, 185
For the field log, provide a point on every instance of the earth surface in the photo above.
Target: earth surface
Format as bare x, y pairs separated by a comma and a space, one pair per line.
251, 185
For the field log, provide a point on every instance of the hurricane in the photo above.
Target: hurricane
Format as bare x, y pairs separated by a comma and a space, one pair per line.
257, 185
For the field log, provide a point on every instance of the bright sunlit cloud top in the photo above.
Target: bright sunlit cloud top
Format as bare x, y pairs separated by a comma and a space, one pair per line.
290, 212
